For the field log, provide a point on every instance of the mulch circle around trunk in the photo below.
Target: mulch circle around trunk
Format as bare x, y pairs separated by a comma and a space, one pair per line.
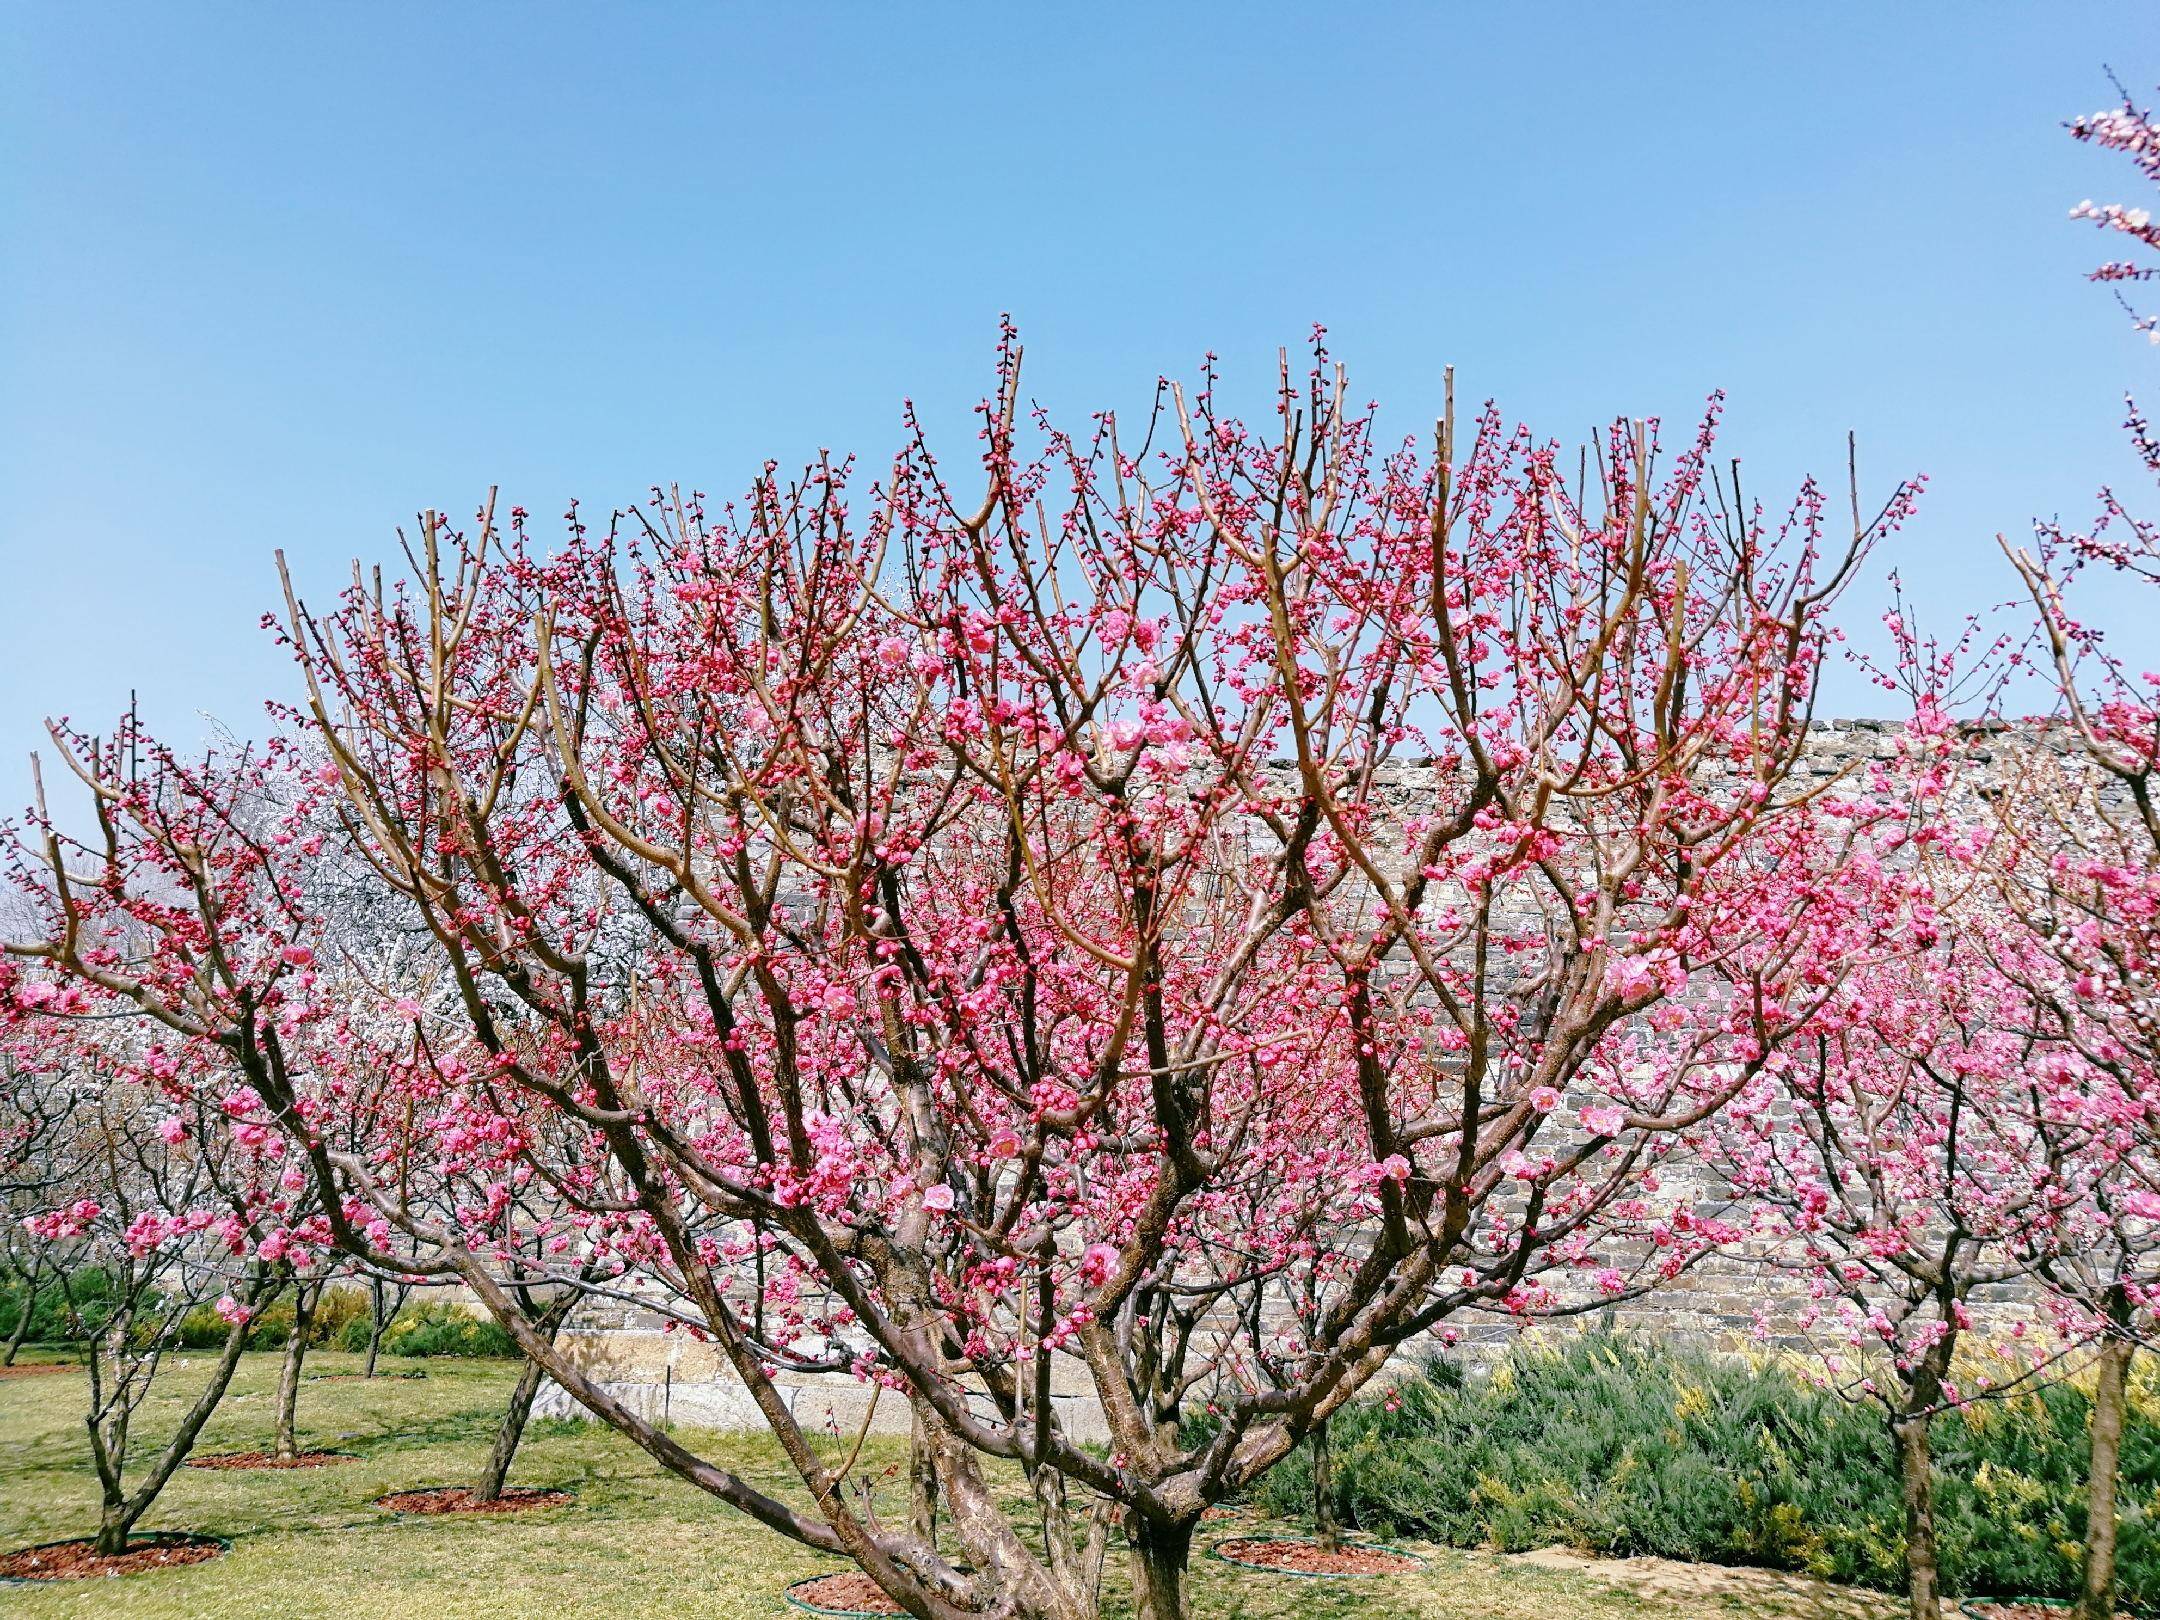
36, 1369
79, 1560
223, 1460
1297, 1555
849, 1594
459, 1499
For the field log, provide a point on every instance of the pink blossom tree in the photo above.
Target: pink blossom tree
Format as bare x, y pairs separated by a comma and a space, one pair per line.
904, 934
2079, 859
37, 1158
1917, 1149
170, 1217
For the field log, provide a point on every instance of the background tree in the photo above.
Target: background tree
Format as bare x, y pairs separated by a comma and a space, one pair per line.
2080, 862
171, 1225
37, 1154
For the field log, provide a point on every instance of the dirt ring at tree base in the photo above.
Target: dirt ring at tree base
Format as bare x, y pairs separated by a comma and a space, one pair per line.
78, 1560
436, 1499
233, 1461
1299, 1555
848, 1594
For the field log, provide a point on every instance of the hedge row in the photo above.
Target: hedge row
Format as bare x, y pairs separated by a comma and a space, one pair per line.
1622, 1447
431, 1328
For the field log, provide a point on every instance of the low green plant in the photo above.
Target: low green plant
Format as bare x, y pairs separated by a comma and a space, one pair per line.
53, 1318
1620, 1446
441, 1328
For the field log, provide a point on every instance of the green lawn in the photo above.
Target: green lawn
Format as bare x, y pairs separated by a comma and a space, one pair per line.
308, 1546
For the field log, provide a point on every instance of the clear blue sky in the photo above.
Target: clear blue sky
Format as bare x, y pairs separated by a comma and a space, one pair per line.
280, 275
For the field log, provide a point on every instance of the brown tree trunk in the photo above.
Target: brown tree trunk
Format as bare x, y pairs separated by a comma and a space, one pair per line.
922, 1485
21, 1333
288, 1393
380, 1310
1915, 1471
511, 1431
2096, 1600
1325, 1528
1159, 1556
121, 1509
508, 1433
116, 1517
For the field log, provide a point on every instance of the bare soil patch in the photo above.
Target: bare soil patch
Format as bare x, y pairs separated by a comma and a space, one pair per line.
459, 1499
849, 1592
1294, 1557
223, 1460
80, 1561
36, 1369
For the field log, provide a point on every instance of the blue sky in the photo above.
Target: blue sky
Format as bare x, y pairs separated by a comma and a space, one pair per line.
279, 276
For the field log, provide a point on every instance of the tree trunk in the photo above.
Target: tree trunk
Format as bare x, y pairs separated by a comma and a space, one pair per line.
511, 1430
1159, 1556
508, 1433
288, 1394
121, 1509
2096, 1601
1915, 1469
1328, 1532
21, 1332
922, 1485
378, 1323
116, 1517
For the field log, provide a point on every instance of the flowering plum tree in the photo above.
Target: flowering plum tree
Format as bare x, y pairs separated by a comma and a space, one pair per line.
169, 1224
37, 1151
1919, 1146
2080, 874
2130, 129
1188, 922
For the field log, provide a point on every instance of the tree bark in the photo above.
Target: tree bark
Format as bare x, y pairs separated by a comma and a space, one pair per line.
508, 1433
922, 1485
21, 1333
378, 1324
2096, 1599
288, 1395
1325, 1527
511, 1431
121, 1510
1915, 1470
1159, 1556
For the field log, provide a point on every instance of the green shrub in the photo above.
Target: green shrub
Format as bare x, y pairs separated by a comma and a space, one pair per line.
50, 1319
1622, 1447
440, 1328
335, 1313
437, 1328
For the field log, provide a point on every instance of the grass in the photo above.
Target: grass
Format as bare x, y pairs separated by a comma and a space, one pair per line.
307, 1545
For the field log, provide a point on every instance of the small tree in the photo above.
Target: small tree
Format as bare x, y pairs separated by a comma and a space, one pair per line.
169, 1224
1896, 1166
37, 1157
2081, 874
